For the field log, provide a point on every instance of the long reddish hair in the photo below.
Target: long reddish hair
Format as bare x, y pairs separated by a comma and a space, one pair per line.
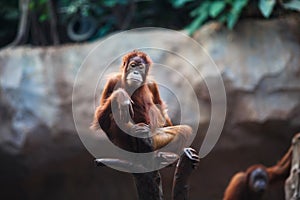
135, 53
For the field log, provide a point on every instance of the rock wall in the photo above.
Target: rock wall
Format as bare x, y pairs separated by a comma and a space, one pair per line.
42, 156
260, 65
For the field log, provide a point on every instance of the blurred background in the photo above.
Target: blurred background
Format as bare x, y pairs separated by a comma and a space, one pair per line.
255, 44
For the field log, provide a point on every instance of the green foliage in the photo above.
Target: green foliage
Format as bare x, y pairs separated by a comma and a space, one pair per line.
9, 12
200, 14
292, 5
179, 3
236, 7
88, 7
227, 11
99, 9
112, 3
113, 15
266, 7
69, 7
216, 8
40, 7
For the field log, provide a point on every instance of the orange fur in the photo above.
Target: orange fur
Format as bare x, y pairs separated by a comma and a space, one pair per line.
239, 188
148, 109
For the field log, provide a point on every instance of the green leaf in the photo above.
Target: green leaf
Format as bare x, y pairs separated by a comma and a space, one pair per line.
229, 1
216, 8
98, 10
179, 3
31, 5
41, 2
110, 3
12, 15
202, 8
191, 28
222, 18
266, 7
235, 11
238, 5
232, 19
43, 17
104, 30
292, 5
123, 2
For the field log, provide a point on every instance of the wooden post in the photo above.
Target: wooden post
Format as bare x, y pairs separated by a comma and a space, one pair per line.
292, 184
148, 184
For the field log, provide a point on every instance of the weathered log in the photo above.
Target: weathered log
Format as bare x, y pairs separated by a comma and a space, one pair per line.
292, 184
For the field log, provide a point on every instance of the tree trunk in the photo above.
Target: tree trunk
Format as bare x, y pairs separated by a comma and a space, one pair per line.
23, 26
53, 22
187, 163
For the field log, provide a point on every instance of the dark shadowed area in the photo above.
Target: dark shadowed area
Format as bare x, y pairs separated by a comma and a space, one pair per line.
42, 156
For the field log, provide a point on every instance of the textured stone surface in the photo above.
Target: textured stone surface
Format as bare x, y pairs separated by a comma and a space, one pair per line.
42, 156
